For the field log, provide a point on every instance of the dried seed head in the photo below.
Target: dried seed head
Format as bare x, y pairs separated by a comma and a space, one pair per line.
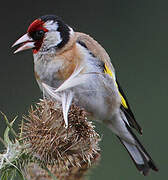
35, 172
69, 150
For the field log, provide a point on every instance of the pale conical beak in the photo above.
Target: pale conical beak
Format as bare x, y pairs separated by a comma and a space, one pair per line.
26, 43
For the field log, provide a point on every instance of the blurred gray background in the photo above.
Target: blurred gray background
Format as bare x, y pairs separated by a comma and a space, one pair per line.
134, 33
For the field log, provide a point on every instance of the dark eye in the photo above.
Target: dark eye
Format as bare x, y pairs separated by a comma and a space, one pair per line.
37, 35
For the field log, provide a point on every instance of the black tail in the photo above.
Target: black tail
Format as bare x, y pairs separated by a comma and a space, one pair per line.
139, 155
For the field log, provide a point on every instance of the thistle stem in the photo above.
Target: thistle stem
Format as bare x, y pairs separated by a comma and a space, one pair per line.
9, 125
49, 173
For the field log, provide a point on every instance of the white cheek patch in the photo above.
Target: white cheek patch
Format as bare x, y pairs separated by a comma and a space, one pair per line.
51, 25
53, 37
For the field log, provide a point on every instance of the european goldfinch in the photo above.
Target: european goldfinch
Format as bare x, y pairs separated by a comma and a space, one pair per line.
72, 66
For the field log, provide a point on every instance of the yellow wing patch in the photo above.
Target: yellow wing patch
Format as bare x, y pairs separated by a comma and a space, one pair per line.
107, 71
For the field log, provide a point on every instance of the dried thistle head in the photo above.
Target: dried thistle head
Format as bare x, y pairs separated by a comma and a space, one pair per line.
65, 151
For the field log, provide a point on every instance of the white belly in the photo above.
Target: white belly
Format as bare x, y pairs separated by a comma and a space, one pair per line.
98, 96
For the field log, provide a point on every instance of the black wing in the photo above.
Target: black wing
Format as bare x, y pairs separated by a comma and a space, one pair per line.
128, 112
